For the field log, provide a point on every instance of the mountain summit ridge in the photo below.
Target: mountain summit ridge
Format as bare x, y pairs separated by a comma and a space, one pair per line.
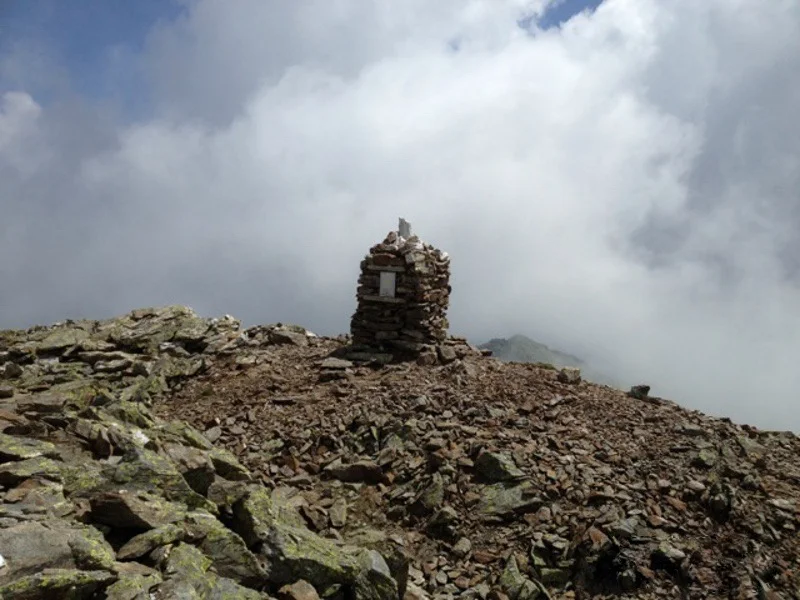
521, 348
201, 458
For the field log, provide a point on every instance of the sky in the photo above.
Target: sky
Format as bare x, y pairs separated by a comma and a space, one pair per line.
616, 179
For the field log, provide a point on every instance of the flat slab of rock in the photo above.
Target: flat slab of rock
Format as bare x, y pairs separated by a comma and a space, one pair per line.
14, 447
338, 513
188, 575
194, 464
364, 471
144, 543
500, 501
45, 403
28, 548
494, 467
62, 338
231, 557
12, 473
57, 583
133, 586
640, 392
12, 370
285, 336
293, 552
136, 510
333, 363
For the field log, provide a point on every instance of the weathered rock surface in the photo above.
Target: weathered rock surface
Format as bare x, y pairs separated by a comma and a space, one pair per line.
99, 498
458, 477
458, 468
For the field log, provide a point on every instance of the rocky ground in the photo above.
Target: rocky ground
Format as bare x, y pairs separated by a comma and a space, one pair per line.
317, 476
101, 499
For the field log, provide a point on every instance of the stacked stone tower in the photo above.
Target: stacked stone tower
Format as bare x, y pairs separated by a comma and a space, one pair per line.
403, 295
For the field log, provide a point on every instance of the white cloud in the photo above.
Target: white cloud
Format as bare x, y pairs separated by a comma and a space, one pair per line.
624, 187
19, 115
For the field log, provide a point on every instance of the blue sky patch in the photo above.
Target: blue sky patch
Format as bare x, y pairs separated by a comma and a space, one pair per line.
90, 39
560, 12
95, 43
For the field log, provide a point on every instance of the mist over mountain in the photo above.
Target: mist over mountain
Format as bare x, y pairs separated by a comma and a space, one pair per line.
521, 348
621, 183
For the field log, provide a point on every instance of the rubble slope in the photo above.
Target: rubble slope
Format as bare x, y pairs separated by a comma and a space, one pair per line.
509, 480
101, 499
163, 455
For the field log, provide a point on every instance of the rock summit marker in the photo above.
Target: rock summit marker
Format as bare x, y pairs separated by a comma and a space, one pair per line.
403, 295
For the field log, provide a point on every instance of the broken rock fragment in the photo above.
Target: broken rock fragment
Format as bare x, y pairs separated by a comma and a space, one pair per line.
364, 471
294, 553
135, 509
516, 584
57, 583
503, 501
30, 547
570, 375
13, 448
299, 590
495, 467
639, 392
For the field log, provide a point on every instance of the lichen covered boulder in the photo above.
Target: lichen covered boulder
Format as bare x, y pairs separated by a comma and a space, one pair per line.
57, 584
101, 499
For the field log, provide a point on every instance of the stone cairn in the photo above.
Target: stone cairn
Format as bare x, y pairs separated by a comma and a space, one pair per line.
403, 295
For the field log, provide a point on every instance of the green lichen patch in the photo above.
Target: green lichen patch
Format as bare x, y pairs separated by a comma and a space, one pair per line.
81, 480
501, 501
132, 413
90, 550
14, 472
182, 433
57, 584
20, 448
144, 469
134, 510
131, 587
146, 542
227, 466
230, 554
